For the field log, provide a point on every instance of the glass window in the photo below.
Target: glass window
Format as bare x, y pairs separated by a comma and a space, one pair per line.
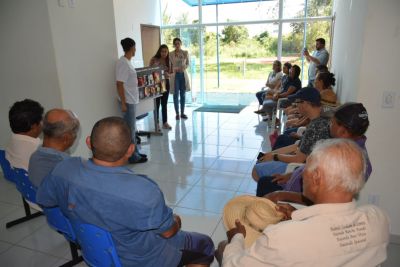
257, 10
178, 12
319, 8
292, 44
238, 57
209, 14
293, 9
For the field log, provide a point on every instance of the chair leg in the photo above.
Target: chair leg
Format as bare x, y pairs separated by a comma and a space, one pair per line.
26, 207
75, 257
28, 215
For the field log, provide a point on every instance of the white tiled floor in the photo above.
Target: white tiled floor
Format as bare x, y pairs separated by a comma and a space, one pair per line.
199, 165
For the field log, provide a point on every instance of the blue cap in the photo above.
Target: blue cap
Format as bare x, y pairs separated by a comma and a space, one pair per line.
308, 94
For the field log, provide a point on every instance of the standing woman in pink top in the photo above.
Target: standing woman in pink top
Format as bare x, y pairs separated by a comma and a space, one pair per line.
161, 58
179, 79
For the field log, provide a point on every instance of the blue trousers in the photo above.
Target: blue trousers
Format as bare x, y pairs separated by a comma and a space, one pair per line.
180, 91
130, 118
198, 249
268, 168
260, 96
265, 186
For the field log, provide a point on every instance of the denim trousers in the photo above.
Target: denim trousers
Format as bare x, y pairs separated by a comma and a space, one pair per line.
180, 91
130, 118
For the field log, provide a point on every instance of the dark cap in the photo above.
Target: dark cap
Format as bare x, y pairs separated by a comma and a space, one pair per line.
354, 117
308, 94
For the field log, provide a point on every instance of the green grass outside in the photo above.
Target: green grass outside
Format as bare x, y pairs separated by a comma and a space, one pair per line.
232, 74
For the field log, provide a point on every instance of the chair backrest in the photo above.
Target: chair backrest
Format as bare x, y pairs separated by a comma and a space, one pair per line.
97, 246
24, 185
60, 223
6, 167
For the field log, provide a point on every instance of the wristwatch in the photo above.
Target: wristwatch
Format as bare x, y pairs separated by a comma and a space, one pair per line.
275, 157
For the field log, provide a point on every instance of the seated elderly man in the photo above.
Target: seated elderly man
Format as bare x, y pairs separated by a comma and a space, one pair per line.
60, 129
332, 232
26, 124
309, 103
102, 192
349, 121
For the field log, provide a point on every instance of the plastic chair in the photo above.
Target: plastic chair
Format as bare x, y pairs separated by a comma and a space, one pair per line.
60, 223
20, 178
24, 185
97, 246
6, 167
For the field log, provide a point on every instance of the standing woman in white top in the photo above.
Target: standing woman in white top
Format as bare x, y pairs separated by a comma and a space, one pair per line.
179, 79
128, 93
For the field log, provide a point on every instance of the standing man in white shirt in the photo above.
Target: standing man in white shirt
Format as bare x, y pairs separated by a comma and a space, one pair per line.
319, 57
26, 125
128, 93
332, 232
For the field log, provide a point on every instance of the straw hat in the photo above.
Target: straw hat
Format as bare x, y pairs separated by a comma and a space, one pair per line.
255, 213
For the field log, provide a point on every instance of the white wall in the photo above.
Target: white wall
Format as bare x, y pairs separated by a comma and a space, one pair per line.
86, 52
348, 35
129, 14
366, 58
27, 65
61, 56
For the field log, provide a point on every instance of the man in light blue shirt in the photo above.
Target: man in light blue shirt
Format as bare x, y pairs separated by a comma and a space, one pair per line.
319, 57
103, 192
60, 128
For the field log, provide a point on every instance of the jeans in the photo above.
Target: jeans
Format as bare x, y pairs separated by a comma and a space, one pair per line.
163, 101
198, 249
268, 168
260, 96
268, 106
180, 90
283, 140
266, 186
130, 118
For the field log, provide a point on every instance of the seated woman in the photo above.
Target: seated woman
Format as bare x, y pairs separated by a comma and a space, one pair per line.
323, 83
291, 87
273, 81
292, 110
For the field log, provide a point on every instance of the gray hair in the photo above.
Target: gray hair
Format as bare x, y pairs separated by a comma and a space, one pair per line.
59, 128
342, 163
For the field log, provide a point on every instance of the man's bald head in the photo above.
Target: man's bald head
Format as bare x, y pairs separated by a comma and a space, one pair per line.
58, 122
110, 139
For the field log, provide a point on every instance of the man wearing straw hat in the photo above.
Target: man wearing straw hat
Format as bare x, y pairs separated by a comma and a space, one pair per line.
332, 232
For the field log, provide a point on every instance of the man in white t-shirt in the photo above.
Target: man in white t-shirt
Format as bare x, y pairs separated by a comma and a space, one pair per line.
128, 93
25, 119
332, 232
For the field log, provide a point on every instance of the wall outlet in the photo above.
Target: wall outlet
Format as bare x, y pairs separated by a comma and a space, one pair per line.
373, 199
388, 99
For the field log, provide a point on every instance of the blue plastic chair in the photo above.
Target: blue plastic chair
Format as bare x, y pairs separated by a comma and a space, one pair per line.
98, 249
24, 185
60, 223
20, 178
6, 167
